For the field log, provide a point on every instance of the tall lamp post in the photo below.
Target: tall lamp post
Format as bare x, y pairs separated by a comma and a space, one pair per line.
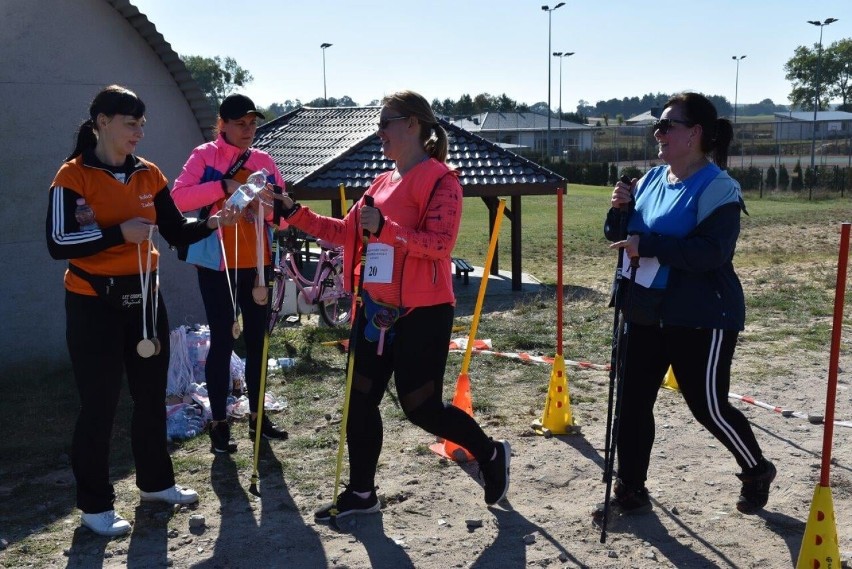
549, 11
816, 94
561, 55
324, 46
737, 83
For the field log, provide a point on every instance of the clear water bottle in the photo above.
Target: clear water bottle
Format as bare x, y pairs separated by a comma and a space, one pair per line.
85, 216
246, 192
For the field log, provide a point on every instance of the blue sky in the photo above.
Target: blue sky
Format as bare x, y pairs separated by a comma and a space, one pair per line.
445, 48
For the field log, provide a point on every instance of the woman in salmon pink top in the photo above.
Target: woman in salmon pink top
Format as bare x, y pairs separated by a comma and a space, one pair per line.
404, 323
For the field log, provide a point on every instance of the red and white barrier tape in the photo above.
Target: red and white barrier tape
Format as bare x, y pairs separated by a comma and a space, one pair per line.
484, 347
815, 419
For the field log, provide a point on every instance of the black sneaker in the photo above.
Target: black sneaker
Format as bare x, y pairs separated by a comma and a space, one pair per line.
755, 491
626, 501
495, 473
220, 438
268, 430
349, 503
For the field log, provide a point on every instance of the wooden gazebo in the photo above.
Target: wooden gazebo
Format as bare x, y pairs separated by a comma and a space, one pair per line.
317, 149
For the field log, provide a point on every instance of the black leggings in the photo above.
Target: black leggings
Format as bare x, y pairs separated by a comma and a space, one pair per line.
220, 316
701, 361
417, 358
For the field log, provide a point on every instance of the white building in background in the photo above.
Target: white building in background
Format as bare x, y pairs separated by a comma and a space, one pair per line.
57, 54
800, 125
528, 131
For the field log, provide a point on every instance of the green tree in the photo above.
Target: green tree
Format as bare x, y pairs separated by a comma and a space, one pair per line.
783, 178
217, 77
797, 182
835, 74
771, 178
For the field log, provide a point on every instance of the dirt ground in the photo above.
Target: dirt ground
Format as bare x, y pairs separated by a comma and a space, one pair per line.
433, 513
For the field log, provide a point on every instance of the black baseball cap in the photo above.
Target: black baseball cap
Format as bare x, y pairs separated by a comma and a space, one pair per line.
236, 107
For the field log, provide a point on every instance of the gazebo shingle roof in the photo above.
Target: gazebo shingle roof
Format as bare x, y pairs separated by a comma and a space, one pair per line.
316, 149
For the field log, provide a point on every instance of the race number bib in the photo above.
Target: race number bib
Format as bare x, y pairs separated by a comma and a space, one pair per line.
379, 268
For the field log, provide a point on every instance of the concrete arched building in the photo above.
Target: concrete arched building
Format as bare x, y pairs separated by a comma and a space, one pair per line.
57, 54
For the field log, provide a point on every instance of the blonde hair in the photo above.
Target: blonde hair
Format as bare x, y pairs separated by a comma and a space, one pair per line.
413, 104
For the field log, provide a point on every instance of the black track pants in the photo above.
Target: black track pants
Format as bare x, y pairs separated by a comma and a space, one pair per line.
102, 344
701, 361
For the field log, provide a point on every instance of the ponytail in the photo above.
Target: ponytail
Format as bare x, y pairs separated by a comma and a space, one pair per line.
438, 147
86, 139
722, 142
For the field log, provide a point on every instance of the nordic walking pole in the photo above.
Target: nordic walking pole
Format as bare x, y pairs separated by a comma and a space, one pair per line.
617, 363
624, 337
350, 366
623, 218
264, 358
462, 397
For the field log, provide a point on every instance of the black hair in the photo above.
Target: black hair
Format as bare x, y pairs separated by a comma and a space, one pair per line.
110, 101
411, 104
716, 133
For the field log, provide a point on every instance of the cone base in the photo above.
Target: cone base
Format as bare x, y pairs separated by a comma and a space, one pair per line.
538, 428
456, 453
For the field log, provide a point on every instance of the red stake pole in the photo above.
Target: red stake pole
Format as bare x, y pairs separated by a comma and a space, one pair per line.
831, 391
559, 271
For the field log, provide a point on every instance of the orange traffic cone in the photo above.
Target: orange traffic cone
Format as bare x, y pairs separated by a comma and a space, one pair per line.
557, 418
820, 549
669, 381
463, 401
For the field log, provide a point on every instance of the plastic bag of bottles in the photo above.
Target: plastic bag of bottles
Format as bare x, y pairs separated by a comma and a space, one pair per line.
183, 421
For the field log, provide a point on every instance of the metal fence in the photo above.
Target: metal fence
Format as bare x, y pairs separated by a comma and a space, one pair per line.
758, 153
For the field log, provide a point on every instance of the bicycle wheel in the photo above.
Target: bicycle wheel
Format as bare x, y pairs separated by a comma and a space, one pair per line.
335, 303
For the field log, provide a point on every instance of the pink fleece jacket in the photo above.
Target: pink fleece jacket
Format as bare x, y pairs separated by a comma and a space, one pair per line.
420, 224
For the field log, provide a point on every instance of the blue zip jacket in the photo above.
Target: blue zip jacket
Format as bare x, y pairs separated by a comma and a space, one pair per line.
702, 290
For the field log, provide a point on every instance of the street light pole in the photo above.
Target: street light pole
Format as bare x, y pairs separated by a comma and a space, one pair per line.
816, 94
561, 55
737, 84
324, 46
549, 11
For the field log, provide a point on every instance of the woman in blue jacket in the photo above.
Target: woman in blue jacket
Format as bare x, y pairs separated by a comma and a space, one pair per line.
687, 305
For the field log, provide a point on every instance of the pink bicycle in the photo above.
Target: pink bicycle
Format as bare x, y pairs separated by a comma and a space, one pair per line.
293, 294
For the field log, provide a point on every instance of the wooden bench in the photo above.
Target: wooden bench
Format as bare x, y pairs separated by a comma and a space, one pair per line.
463, 269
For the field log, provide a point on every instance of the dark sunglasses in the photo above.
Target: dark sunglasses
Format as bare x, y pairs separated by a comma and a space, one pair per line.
665, 125
383, 123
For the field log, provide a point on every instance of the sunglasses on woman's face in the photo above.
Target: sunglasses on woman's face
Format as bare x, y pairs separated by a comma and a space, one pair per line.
383, 123
665, 125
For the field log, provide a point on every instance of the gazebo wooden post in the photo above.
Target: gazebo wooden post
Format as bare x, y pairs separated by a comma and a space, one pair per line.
516, 242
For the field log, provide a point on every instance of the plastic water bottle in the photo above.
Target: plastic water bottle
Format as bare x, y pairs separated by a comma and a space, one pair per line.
246, 192
285, 363
85, 216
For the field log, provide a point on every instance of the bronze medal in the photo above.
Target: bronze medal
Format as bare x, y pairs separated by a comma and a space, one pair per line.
157, 346
235, 330
260, 294
145, 348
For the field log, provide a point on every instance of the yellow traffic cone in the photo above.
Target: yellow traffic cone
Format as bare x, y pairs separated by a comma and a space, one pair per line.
557, 418
820, 549
669, 381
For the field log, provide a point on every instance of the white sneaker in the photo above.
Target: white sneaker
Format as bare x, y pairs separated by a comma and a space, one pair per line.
106, 523
174, 495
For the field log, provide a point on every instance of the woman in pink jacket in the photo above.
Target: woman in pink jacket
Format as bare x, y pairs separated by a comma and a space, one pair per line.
228, 261
403, 326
